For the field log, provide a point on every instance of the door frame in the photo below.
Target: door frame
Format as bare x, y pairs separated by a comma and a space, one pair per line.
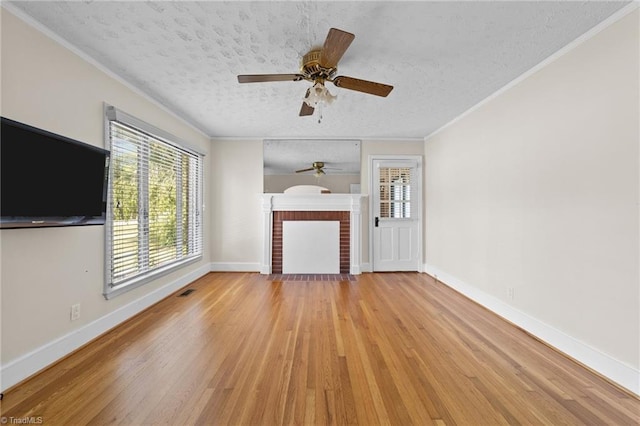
372, 187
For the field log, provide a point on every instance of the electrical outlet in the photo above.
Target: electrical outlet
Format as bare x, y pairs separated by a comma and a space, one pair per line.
75, 312
511, 292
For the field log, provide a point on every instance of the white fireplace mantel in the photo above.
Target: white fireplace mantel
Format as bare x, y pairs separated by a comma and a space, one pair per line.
313, 202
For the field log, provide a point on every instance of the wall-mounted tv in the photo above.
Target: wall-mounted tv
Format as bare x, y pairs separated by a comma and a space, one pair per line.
50, 180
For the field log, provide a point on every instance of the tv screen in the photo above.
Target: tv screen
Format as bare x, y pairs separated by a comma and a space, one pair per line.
49, 180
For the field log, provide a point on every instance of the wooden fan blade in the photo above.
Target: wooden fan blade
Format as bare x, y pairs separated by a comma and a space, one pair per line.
306, 109
263, 78
364, 86
336, 43
305, 170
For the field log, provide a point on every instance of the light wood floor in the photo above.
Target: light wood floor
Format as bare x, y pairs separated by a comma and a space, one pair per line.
393, 348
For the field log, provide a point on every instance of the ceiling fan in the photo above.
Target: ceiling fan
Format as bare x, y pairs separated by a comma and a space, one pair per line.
318, 166
320, 66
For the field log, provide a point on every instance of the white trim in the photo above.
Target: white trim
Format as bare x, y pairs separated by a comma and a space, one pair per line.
617, 371
365, 267
28, 364
558, 54
311, 202
64, 43
234, 267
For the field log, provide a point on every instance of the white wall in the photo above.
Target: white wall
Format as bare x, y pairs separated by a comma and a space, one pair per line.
45, 271
538, 191
236, 204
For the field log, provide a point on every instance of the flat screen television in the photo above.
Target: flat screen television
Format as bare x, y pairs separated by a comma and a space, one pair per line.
50, 180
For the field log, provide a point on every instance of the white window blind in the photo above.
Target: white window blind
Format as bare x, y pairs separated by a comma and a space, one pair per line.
154, 221
395, 192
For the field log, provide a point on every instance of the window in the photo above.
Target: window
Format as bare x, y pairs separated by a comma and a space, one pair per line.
395, 192
154, 222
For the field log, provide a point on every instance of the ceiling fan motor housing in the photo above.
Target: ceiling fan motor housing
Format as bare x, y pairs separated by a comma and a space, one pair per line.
313, 70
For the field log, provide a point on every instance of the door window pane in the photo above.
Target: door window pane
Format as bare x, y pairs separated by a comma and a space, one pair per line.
395, 192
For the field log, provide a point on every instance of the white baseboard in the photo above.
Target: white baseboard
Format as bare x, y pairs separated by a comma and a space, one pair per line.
234, 267
21, 368
617, 371
365, 267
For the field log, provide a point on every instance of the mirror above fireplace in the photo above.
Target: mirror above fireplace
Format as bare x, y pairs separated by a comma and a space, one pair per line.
330, 163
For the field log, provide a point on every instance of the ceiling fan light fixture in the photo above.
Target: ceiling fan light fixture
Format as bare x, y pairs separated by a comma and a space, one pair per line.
319, 95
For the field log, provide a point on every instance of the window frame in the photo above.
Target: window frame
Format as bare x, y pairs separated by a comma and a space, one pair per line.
112, 114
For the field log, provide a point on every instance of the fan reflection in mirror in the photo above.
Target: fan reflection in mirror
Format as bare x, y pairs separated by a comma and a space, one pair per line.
317, 97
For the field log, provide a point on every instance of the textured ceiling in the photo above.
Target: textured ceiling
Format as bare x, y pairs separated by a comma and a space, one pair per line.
442, 57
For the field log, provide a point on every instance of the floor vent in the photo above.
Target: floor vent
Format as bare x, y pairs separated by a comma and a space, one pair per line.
186, 292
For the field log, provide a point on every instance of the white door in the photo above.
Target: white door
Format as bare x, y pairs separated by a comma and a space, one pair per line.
395, 211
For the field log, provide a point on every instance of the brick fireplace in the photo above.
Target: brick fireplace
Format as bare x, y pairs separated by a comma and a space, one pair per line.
276, 239
344, 208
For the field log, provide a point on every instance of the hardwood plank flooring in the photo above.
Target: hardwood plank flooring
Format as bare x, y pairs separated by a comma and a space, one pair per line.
392, 349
